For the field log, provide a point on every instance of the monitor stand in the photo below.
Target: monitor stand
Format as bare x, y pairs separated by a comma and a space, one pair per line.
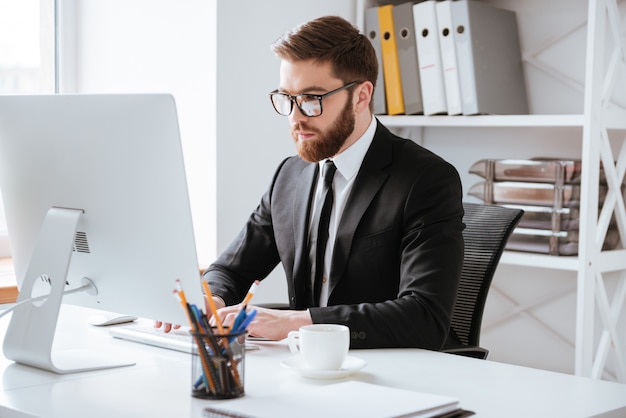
33, 324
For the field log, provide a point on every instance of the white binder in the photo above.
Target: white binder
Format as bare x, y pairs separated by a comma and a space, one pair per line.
429, 58
489, 59
372, 31
448, 58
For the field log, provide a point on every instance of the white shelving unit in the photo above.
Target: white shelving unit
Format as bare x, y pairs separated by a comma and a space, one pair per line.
601, 115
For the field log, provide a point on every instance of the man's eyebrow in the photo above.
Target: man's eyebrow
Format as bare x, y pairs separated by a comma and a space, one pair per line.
305, 91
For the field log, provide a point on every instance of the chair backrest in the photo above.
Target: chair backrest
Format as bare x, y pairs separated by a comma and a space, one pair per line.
487, 229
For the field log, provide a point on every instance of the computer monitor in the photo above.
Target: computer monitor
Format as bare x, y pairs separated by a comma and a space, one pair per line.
94, 187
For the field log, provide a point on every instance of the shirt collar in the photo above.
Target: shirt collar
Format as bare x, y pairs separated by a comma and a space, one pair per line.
349, 161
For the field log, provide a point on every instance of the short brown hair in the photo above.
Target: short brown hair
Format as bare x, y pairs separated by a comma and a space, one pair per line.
331, 39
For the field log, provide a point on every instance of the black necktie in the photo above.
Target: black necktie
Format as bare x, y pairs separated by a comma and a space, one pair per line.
328, 172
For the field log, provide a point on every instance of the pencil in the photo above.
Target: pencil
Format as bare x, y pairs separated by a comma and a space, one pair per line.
181, 293
250, 294
212, 307
204, 358
220, 327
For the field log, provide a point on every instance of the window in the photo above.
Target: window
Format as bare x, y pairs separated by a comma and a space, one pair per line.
26, 46
27, 51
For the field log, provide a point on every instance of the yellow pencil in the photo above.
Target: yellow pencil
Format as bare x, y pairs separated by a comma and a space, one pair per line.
209, 297
208, 379
181, 293
220, 327
250, 294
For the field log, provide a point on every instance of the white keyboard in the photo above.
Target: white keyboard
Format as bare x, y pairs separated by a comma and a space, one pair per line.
177, 339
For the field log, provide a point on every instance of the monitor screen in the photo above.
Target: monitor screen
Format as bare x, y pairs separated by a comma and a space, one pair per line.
109, 170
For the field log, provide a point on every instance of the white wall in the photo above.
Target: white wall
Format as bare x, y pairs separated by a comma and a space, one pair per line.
120, 46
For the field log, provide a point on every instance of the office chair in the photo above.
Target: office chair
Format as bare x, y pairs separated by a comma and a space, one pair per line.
487, 229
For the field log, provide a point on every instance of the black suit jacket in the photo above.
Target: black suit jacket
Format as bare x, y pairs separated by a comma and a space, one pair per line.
397, 256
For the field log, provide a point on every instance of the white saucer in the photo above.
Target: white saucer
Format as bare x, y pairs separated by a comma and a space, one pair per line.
349, 366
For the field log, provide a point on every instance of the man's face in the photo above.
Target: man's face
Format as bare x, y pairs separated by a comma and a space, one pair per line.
321, 136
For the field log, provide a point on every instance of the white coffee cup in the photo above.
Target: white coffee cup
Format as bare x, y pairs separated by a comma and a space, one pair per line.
322, 346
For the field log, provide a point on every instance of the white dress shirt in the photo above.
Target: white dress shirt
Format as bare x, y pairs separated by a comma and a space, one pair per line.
348, 164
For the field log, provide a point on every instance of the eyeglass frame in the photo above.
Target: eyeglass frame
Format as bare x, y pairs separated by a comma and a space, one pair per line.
319, 97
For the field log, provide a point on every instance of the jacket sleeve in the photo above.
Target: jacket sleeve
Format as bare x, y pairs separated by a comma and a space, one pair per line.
251, 256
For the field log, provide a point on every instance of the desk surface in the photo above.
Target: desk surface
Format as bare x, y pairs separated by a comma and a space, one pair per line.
159, 384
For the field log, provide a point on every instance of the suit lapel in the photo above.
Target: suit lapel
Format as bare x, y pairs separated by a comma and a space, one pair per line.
301, 213
369, 180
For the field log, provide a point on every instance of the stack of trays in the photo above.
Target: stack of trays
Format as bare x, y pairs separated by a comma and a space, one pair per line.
548, 190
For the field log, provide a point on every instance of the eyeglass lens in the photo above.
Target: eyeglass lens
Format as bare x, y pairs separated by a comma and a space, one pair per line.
283, 104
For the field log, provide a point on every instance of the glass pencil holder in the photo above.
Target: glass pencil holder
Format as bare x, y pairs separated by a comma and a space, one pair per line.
218, 365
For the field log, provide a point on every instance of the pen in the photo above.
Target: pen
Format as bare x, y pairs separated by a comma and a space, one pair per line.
241, 316
200, 319
244, 324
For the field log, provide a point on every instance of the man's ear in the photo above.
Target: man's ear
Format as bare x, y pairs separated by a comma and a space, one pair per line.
363, 96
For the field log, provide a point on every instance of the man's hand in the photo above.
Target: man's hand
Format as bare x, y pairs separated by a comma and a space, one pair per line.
273, 324
167, 327
213, 305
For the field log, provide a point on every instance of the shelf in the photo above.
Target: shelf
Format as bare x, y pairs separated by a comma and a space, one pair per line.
613, 120
515, 258
608, 260
484, 121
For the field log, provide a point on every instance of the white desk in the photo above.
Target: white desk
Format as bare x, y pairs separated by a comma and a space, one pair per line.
159, 384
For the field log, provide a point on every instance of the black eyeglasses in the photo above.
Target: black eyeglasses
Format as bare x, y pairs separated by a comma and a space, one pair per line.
309, 104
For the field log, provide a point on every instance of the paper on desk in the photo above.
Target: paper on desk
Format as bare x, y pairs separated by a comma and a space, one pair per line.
345, 399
